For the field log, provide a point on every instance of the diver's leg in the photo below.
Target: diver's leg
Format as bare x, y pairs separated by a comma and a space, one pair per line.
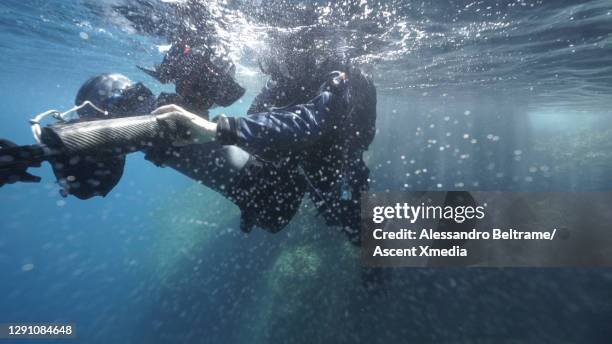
268, 194
214, 165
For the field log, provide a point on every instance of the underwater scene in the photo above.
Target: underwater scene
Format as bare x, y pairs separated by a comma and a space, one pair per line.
477, 95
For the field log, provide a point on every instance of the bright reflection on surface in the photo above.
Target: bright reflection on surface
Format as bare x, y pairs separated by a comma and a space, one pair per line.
559, 119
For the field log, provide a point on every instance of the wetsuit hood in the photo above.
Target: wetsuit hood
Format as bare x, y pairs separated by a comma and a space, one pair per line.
209, 73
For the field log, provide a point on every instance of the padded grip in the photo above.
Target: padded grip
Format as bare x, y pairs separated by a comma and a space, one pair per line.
108, 137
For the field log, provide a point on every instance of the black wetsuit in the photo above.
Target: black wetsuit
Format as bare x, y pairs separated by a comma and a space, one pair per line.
322, 138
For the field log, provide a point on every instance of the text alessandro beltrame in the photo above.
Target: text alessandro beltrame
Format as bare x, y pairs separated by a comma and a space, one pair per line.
458, 214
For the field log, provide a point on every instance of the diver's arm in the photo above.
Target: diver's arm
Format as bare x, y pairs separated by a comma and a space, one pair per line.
286, 129
266, 134
281, 132
269, 133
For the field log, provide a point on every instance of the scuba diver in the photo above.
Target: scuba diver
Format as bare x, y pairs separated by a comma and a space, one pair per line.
305, 132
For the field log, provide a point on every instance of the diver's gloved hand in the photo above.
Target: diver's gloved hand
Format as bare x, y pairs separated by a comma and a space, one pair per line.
339, 86
193, 129
337, 83
16, 174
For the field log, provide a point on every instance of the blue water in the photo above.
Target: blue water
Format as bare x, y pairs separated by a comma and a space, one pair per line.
480, 95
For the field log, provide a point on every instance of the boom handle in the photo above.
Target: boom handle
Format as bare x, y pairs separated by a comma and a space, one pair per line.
108, 137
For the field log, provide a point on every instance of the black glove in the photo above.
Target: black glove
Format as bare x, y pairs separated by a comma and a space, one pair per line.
15, 174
